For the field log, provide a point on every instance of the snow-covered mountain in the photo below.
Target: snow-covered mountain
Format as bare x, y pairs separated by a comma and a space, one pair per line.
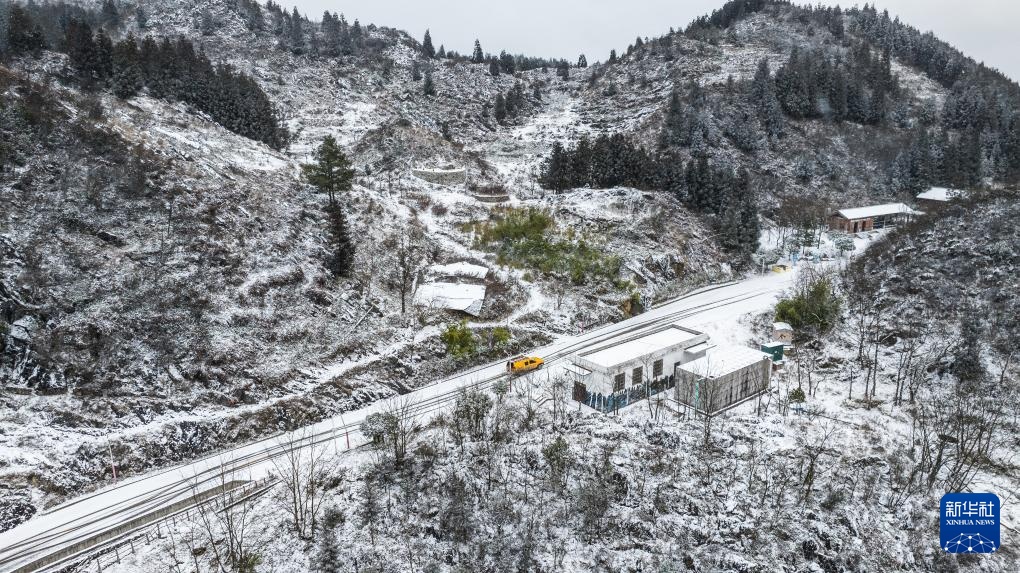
163, 291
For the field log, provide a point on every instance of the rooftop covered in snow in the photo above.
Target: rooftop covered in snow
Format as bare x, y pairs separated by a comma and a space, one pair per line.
723, 360
463, 297
876, 211
940, 194
672, 336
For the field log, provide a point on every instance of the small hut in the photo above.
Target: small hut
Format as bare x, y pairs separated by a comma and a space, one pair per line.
782, 332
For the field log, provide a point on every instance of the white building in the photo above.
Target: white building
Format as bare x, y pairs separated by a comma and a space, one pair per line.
456, 286
938, 197
467, 298
635, 362
724, 377
863, 219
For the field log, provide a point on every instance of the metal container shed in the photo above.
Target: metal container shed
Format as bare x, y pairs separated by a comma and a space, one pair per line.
723, 378
774, 349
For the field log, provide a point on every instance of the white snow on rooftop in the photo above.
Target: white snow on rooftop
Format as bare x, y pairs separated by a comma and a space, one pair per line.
723, 360
575, 369
461, 269
463, 297
704, 346
940, 194
876, 211
781, 326
642, 346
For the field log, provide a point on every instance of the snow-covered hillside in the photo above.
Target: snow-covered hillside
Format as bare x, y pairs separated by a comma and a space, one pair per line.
200, 287
163, 294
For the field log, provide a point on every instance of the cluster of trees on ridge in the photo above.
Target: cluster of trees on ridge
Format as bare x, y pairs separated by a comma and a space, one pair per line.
171, 70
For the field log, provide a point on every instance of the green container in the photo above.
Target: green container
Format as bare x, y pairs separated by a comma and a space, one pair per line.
773, 349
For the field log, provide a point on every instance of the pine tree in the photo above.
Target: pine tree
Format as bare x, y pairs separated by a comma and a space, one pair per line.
442, 52
838, 97
582, 62
555, 171
493, 68
330, 34
563, 70
297, 33
478, 57
506, 63
357, 38
5, 42
499, 108
580, 168
340, 258
370, 509
612, 56
429, 88
141, 18
127, 77
456, 516
764, 100
109, 14
104, 56
415, 71
23, 33
329, 559
347, 47
332, 172
673, 124
967, 365
426, 46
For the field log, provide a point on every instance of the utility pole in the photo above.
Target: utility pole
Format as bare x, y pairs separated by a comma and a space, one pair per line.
347, 431
113, 464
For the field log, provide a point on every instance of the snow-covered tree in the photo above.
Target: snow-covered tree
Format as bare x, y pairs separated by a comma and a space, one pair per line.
429, 87
331, 173
478, 57
426, 46
764, 100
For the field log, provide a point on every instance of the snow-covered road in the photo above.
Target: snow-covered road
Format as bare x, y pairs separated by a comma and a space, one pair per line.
36, 544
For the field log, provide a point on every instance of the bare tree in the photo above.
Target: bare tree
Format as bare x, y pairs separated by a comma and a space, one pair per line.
706, 396
957, 434
407, 251
556, 390
227, 522
918, 350
395, 427
306, 467
812, 450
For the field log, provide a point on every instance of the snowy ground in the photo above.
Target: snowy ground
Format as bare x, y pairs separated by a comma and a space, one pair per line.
343, 103
852, 434
112, 505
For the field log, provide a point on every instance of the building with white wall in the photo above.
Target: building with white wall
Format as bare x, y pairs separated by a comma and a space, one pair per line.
617, 373
724, 377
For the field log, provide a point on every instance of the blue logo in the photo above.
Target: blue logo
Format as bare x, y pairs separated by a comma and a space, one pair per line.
969, 523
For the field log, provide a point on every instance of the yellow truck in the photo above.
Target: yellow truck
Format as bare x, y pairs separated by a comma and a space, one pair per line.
523, 365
